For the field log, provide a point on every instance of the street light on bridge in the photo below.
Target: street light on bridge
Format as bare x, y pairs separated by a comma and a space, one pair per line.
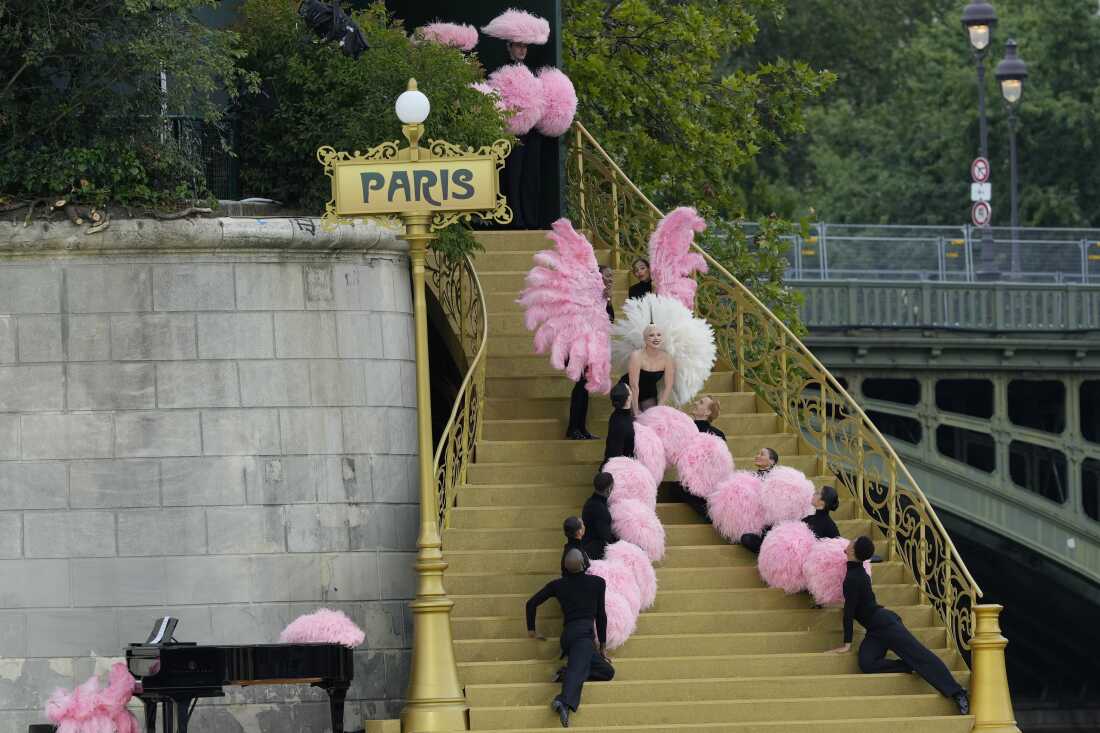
1011, 73
979, 18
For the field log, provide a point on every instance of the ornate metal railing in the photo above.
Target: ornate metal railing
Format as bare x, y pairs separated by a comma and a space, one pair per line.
770, 360
459, 294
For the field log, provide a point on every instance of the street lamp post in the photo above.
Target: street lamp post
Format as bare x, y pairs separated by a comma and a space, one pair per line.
979, 19
1011, 73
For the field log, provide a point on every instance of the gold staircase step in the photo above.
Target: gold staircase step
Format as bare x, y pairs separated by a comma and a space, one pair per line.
554, 428
680, 644
558, 385
921, 724
755, 596
502, 407
511, 260
653, 623
503, 538
509, 239
579, 473
592, 451
718, 711
547, 560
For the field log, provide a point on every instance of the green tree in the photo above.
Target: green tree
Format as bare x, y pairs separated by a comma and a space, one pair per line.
657, 89
87, 87
313, 95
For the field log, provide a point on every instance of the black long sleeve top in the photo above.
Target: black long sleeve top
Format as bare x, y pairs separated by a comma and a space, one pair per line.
574, 544
859, 599
620, 435
640, 290
705, 427
581, 597
610, 311
822, 524
597, 526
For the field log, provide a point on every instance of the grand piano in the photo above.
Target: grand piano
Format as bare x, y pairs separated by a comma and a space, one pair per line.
177, 674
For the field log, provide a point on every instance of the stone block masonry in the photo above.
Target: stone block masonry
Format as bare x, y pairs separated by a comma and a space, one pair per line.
214, 420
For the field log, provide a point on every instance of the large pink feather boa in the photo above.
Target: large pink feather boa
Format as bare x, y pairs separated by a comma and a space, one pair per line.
671, 261
91, 709
565, 307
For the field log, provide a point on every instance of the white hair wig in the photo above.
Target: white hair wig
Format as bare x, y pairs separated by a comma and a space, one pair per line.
687, 339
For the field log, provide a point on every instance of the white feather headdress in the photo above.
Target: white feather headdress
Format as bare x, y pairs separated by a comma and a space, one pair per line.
688, 340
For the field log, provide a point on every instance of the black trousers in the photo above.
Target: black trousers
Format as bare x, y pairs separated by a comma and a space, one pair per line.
585, 663
888, 633
523, 181
752, 542
677, 492
578, 406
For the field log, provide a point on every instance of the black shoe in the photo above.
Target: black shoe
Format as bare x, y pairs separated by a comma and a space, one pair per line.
590, 436
563, 711
559, 675
575, 434
963, 701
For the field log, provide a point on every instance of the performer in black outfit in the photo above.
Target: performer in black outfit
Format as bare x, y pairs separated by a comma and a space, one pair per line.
703, 411
647, 386
578, 398
640, 268
885, 632
597, 517
574, 540
820, 523
582, 606
765, 460
620, 426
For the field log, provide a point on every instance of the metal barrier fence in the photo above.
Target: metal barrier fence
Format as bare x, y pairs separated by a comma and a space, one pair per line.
944, 254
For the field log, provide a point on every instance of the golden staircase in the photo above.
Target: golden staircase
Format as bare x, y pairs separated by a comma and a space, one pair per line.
718, 650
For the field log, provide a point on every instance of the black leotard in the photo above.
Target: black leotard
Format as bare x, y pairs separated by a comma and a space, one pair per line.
647, 384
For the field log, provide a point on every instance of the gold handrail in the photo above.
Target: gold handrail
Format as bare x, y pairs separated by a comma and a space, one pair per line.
772, 362
458, 291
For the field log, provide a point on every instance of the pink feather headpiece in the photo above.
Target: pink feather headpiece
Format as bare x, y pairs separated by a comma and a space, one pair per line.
458, 35
671, 261
564, 305
518, 26
91, 709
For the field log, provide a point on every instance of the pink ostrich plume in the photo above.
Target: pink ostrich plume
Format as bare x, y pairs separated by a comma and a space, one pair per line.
564, 305
622, 620
521, 93
671, 260
787, 494
90, 709
782, 554
634, 557
518, 26
559, 102
703, 464
323, 625
825, 567
458, 35
633, 482
620, 579
673, 427
649, 451
638, 524
735, 508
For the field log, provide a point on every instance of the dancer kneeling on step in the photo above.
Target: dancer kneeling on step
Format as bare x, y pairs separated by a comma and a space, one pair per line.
646, 367
581, 598
886, 633
596, 517
574, 540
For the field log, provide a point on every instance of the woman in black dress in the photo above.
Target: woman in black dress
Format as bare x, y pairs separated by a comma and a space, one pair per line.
640, 289
648, 366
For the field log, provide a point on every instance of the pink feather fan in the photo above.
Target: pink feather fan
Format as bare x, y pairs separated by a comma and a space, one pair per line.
323, 625
564, 305
673, 427
518, 26
782, 554
734, 507
786, 495
634, 557
89, 709
633, 482
704, 463
521, 93
620, 579
458, 35
825, 567
622, 620
649, 451
638, 524
672, 263
559, 102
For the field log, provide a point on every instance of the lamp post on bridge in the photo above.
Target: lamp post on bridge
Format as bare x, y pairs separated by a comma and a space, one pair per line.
979, 19
1011, 73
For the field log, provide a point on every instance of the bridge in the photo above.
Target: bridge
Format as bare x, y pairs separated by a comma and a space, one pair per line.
987, 382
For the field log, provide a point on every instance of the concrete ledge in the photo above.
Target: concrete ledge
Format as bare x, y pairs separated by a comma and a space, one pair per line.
152, 236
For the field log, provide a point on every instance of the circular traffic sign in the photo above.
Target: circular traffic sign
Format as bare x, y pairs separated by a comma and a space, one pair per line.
981, 213
979, 170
